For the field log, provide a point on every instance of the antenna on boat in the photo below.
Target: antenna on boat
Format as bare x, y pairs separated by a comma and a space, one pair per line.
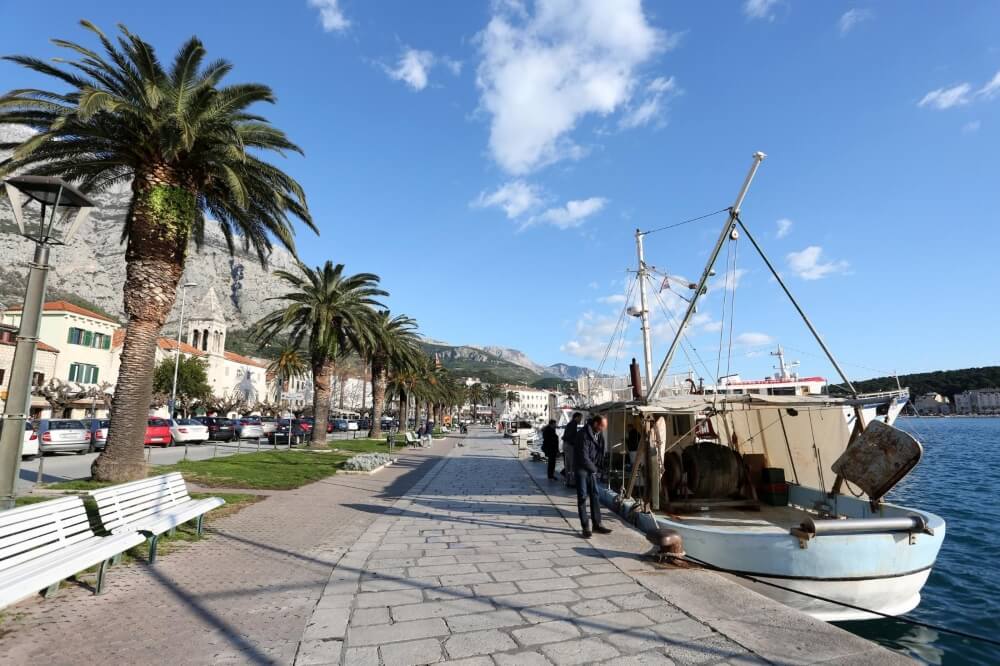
734, 212
647, 351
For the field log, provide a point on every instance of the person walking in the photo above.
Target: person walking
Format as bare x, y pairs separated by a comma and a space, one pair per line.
569, 442
588, 457
550, 447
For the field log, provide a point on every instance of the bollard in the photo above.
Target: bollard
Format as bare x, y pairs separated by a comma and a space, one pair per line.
40, 477
185, 450
258, 445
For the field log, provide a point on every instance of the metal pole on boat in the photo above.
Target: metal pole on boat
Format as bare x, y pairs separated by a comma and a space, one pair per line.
812, 329
734, 212
647, 350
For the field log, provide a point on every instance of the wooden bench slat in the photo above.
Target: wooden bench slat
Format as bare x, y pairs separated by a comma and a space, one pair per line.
140, 491
12, 529
149, 504
124, 488
41, 546
67, 528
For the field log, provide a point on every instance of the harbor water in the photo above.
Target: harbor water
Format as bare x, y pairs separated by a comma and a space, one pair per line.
958, 479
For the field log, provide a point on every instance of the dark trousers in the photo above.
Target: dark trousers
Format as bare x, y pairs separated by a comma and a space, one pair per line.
552, 465
586, 486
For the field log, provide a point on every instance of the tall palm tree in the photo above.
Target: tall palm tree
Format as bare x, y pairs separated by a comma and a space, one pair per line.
491, 392
290, 364
475, 395
328, 314
190, 147
394, 346
512, 399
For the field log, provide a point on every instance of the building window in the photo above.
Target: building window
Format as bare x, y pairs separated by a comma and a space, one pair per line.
83, 373
83, 337
38, 379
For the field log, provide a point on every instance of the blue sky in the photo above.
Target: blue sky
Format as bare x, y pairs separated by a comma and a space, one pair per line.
491, 160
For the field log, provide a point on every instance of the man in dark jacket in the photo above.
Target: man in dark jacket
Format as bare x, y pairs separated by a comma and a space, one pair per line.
569, 441
550, 447
588, 457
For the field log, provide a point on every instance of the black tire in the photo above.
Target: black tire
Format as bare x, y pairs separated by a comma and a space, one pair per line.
83, 451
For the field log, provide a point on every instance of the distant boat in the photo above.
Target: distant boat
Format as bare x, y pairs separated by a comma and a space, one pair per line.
773, 481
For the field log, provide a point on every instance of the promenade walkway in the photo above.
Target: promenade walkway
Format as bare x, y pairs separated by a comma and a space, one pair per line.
455, 556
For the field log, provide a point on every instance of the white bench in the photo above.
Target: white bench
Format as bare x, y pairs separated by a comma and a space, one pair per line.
151, 506
43, 544
412, 440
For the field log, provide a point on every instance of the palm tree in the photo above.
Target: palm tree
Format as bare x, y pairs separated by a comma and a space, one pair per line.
329, 315
394, 347
475, 394
491, 392
290, 364
512, 398
190, 148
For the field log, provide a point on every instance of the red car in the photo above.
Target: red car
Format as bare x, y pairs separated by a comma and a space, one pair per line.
158, 433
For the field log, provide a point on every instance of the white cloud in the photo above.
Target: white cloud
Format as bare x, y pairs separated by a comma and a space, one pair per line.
590, 340
515, 198
851, 18
612, 299
809, 265
991, 89
946, 98
330, 15
760, 9
971, 127
651, 107
784, 227
573, 213
752, 339
414, 66
543, 71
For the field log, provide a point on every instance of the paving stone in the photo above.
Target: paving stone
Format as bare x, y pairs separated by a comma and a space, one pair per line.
546, 584
570, 571
450, 592
593, 607
442, 570
546, 632
491, 620
466, 579
364, 656
596, 580
396, 598
471, 661
478, 642
712, 649
411, 653
683, 629
529, 599
494, 589
441, 609
366, 616
327, 623
585, 651
522, 659
547, 613
523, 574
315, 652
610, 591
617, 621
394, 633
652, 658
634, 601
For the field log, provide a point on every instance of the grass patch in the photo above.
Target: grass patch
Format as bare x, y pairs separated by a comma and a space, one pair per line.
77, 484
25, 500
267, 470
365, 445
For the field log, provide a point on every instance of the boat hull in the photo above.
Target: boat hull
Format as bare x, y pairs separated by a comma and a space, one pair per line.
881, 572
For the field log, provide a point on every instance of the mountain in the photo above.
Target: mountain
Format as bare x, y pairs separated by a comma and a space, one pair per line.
93, 264
476, 362
517, 358
564, 371
945, 382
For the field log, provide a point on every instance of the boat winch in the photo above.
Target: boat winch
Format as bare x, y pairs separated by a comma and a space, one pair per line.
911, 524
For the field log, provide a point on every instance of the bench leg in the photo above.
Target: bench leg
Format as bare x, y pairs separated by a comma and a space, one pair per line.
51, 590
117, 559
172, 532
200, 525
152, 547
101, 572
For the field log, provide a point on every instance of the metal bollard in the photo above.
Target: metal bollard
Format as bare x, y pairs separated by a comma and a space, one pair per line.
40, 477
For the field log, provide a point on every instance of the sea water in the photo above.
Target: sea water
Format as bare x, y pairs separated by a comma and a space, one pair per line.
958, 479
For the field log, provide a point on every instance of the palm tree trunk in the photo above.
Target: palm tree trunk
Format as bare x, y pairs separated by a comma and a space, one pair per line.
322, 389
404, 411
162, 215
378, 399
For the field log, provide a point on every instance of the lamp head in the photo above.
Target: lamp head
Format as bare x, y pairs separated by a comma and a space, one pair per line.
67, 208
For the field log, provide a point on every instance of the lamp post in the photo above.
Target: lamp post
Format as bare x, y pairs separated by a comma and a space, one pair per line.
177, 348
62, 209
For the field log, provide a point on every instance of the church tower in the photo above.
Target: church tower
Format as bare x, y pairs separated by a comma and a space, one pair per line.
207, 326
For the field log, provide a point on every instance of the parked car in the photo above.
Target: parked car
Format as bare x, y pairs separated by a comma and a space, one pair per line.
249, 427
268, 424
158, 433
62, 435
352, 425
30, 447
340, 425
365, 424
219, 429
188, 430
98, 433
288, 429
306, 424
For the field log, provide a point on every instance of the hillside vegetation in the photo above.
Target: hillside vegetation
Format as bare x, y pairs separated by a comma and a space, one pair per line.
945, 382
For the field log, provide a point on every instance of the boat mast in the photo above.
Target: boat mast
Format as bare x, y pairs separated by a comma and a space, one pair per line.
647, 350
734, 212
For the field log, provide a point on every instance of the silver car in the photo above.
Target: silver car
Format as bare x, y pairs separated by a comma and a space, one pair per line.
63, 435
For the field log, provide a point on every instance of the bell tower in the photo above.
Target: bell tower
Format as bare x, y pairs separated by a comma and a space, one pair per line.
207, 326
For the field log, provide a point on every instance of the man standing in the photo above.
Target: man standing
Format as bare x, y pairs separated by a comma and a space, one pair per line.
550, 447
569, 442
587, 458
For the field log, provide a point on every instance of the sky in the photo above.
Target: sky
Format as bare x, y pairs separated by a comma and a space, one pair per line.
491, 161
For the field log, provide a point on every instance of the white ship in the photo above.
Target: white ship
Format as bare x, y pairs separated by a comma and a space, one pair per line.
774, 482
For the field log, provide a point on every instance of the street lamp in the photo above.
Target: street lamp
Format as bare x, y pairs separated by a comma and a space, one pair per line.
177, 348
62, 209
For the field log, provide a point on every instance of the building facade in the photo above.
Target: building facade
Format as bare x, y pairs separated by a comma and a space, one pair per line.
984, 402
932, 404
46, 360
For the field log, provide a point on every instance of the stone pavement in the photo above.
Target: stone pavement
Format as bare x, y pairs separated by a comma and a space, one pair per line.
477, 565
241, 596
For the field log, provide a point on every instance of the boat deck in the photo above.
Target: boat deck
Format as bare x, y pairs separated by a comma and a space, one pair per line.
769, 519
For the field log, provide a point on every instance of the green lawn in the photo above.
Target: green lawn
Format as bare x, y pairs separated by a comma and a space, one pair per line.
267, 470
77, 484
364, 445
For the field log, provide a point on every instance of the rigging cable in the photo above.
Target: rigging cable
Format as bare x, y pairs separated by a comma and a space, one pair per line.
671, 320
928, 625
683, 222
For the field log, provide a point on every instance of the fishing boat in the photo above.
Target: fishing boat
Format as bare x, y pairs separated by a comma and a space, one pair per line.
782, 490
